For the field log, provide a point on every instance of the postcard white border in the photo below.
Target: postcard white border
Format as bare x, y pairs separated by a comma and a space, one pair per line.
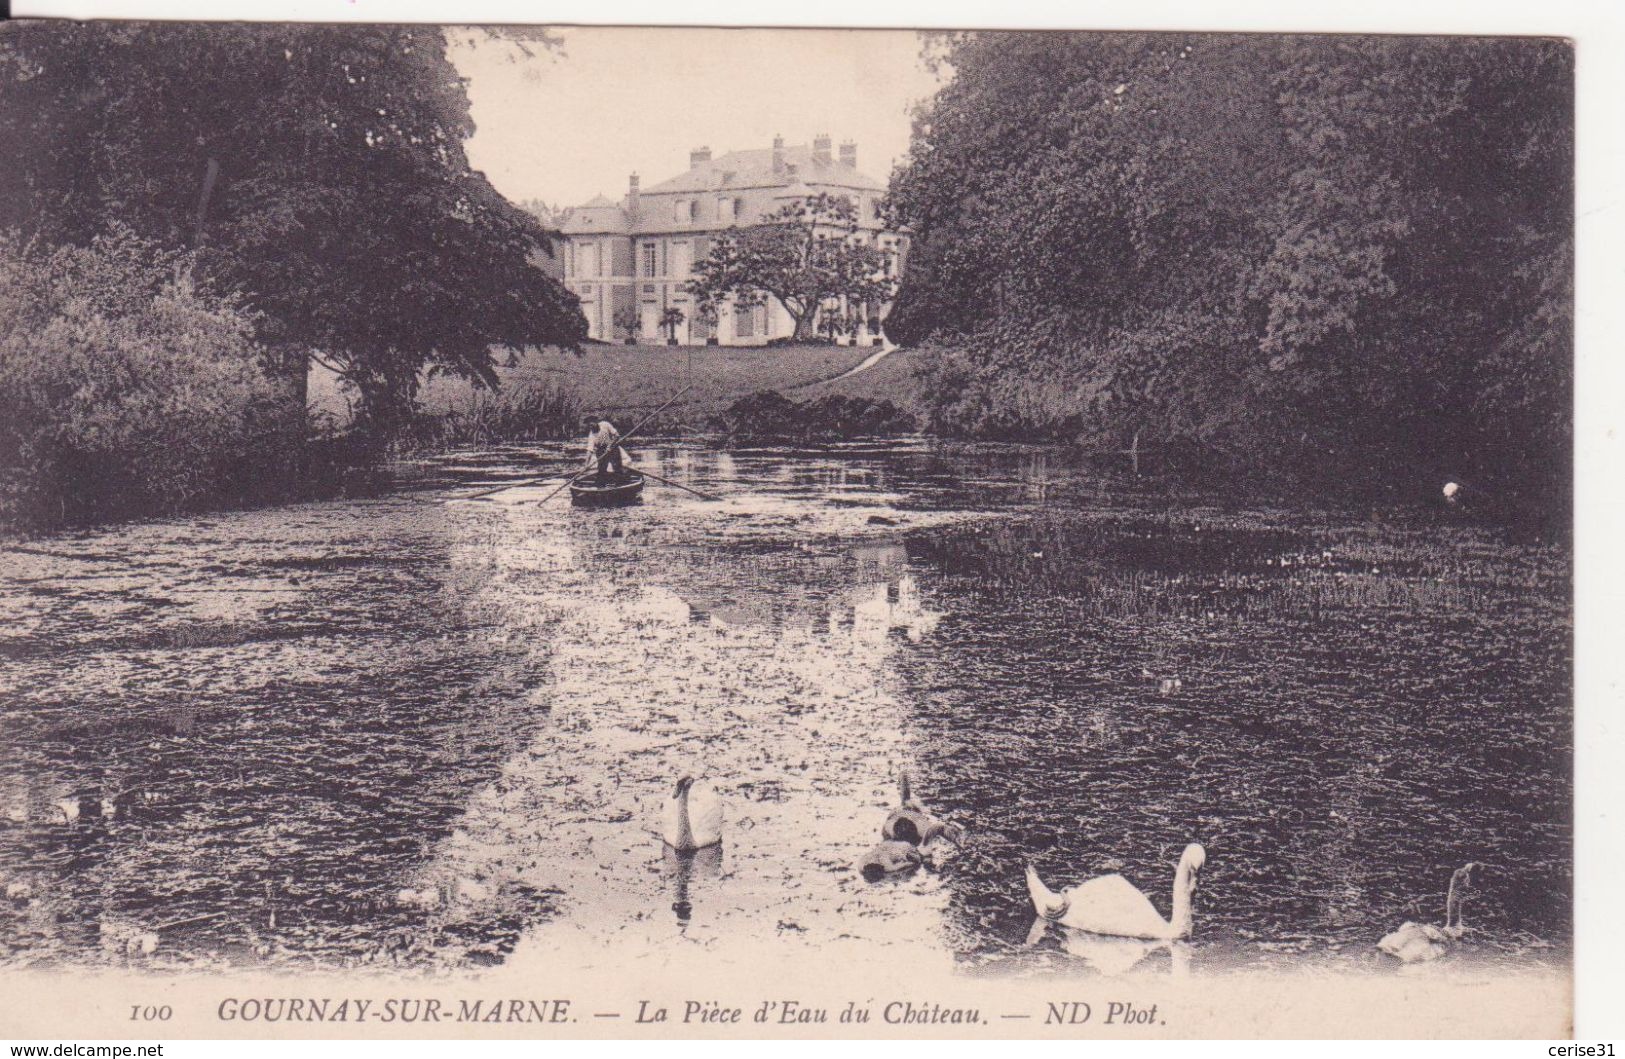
1598, 30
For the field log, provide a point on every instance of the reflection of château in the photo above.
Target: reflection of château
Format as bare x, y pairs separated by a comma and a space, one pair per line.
865, 614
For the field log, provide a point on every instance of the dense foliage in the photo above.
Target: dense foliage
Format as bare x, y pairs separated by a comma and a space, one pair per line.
521, 411
128, 388
770, 414
806, 256
1340, 256
319, 170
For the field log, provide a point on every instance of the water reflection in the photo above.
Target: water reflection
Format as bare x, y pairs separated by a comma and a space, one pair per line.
761, 674
691, 874
1113, 957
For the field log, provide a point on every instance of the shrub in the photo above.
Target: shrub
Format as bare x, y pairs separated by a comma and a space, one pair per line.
519, 412
855, 417
773, 415
127, 389
764, 412
967, 393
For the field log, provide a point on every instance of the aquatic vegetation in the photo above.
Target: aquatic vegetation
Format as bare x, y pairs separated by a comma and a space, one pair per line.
393, 734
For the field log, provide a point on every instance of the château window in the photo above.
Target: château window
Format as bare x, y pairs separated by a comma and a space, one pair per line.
683, 209
648, 260
726, 210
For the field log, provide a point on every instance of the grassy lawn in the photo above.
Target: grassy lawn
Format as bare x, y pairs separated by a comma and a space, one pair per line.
620, 379
637, 378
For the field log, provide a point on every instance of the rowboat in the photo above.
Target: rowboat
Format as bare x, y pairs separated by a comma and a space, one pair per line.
616, 491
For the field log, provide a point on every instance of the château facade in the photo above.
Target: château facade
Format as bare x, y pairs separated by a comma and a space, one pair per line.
629, 261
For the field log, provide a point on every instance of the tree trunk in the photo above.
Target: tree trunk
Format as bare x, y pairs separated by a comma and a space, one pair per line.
289, 362
297, 361
211, 173
803, 331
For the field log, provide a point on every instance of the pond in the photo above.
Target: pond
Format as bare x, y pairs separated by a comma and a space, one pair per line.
407, 734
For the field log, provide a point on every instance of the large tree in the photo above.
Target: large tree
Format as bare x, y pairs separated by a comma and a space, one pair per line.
1320, 252
807, 255
319, 170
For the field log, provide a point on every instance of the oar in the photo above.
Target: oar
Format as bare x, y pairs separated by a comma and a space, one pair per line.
680, 485
531, 481
498, 489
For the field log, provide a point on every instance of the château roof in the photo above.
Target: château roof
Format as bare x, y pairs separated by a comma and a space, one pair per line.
754, 169
599, 215
761, 184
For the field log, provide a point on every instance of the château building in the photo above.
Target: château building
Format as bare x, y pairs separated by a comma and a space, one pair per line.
628, 261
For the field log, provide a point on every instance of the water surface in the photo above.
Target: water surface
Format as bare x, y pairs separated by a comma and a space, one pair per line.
400, 733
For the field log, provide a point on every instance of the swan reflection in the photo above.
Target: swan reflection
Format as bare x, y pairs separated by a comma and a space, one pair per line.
684, 870
1110, 956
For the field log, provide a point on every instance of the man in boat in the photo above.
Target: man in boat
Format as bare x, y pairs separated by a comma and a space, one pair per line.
603, 445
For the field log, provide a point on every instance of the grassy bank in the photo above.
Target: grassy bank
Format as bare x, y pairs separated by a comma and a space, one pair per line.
890, 379
548, 389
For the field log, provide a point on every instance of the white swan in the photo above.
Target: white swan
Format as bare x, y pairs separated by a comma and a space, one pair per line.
912, 824
1110, 904
693, 817
1417, 942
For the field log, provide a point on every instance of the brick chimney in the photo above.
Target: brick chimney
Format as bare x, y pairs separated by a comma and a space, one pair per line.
698, 157
849, 154
632, 196
821, 149
778, 154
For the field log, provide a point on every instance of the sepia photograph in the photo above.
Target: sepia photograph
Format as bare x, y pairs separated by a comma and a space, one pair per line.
516, 531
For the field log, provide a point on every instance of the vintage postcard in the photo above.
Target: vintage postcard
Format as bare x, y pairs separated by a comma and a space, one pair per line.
614, 532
